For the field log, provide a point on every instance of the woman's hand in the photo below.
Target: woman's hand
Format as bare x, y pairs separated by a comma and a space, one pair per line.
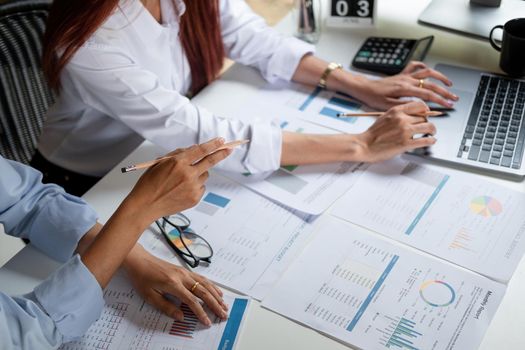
380, 94
393, 132
154, 278
177, 183
413, 81
168, 187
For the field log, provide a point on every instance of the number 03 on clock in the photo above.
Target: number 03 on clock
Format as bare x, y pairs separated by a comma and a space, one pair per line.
351, 13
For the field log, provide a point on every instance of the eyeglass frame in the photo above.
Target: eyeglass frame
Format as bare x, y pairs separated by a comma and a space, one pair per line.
182, 231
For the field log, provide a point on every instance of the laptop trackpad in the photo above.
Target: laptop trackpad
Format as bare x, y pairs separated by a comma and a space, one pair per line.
451, 126
454, 120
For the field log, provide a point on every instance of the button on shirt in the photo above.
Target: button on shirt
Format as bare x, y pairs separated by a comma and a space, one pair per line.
64, 306
128, 83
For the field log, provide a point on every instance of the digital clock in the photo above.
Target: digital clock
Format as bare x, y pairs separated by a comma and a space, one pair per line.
350, 13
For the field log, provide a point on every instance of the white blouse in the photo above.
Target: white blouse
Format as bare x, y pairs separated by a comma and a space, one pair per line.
128, 83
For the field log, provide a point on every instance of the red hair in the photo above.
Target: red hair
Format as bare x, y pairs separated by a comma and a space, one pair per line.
70, 24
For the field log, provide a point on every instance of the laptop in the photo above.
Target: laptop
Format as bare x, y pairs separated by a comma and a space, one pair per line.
486, 129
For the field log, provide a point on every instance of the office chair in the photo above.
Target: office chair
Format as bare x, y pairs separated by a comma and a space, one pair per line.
24, 94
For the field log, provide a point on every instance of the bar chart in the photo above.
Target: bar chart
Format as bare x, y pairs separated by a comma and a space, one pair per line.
212, 203
185, 328
332, 105
402, 334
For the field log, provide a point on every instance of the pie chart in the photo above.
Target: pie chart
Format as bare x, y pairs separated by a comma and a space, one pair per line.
486, 206
437, 293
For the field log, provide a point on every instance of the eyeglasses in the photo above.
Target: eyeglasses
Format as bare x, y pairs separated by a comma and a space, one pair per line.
191, 247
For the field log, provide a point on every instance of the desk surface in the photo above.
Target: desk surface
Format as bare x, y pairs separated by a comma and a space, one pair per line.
265, 329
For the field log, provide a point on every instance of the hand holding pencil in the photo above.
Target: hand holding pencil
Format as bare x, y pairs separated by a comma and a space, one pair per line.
148, 164
176, 182
395, 131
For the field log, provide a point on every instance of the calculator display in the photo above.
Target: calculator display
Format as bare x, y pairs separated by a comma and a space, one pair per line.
421, 49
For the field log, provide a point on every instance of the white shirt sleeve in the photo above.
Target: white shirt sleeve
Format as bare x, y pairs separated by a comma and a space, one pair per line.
250, 41
110, 81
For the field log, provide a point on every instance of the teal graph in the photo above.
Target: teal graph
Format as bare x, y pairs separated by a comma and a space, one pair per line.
401, 334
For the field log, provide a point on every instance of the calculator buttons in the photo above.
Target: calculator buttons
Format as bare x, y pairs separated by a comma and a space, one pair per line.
365, 53
385, 55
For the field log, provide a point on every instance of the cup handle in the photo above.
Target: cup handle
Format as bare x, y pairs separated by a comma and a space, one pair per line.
492, 41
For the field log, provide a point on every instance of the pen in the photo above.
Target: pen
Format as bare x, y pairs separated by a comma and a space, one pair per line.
151, 163
378, 114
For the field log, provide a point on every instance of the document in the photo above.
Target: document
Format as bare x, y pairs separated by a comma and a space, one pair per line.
128, 323
309, 188
253, 239
372, 294
464, 219
316, 105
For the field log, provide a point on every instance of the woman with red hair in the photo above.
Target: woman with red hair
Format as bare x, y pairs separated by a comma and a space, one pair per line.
124, 71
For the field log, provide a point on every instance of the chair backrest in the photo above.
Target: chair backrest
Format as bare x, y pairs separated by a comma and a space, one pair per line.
24, 94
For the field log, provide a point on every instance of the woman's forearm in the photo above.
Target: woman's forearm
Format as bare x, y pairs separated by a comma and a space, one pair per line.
301, 149
114, 242
85, 242
311, 68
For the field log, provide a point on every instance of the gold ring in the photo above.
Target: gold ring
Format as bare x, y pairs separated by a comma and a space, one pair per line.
194, 286
421, 83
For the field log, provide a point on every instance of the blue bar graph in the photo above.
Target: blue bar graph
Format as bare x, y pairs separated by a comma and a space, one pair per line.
341, 102
403, 335
217, 200
234, 322
310, 98
372, 293
427, 205
332, 113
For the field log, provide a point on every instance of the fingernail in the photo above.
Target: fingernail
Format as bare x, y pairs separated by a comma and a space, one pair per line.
221, 139
456, 97
224, 315
207, 322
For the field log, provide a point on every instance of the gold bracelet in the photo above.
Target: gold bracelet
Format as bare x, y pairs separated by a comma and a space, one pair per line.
331, 67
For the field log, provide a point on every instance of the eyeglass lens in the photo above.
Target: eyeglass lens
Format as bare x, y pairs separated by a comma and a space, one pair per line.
193, 243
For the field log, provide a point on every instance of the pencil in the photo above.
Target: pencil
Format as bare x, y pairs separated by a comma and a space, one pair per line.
378, 114
151, 163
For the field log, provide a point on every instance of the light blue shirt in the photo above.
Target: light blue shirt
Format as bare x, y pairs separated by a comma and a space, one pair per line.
63, 307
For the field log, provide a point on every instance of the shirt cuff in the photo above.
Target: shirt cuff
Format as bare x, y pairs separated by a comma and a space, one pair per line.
61, 224
261, 156
265, 147
72, 297
286, 58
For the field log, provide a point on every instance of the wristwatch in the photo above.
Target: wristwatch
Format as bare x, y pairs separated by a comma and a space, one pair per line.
331, 67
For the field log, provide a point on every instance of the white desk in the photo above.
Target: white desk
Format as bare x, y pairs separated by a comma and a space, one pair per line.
264, 329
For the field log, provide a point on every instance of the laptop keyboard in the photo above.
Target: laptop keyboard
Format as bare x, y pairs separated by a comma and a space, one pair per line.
495, 131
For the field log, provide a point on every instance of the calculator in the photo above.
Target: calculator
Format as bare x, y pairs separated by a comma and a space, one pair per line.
390, 55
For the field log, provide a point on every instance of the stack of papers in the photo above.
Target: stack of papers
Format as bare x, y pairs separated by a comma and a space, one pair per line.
460, 218
354, 286
374, 295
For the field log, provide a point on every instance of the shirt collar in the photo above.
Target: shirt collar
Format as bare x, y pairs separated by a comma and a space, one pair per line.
172, 10
129, 11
